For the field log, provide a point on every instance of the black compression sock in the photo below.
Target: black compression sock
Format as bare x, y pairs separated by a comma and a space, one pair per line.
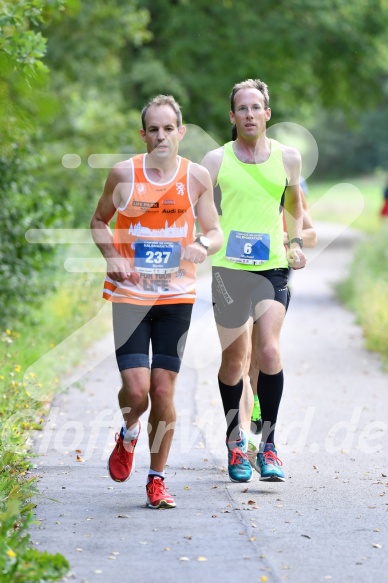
269, 391
231, 396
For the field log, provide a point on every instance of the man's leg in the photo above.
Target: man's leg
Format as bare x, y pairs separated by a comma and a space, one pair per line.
133, 401
231, 305
133, 395
270, 384
247, 400
253, 377
235, 346
162, 417
169, 332
132, 328
267, 356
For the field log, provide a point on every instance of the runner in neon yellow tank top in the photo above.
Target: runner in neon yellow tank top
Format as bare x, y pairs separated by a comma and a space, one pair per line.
251, 198
253, 175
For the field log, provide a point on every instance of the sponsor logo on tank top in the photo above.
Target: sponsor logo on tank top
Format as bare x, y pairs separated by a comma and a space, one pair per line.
180, 188
169, 201
145, 205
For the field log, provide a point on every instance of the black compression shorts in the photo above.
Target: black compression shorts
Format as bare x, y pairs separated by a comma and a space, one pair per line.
235, 292
164, 326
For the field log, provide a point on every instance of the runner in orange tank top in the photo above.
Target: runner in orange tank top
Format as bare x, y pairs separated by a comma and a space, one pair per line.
154, 224
151, 265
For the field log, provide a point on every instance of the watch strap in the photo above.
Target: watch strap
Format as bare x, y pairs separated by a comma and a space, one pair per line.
296, 240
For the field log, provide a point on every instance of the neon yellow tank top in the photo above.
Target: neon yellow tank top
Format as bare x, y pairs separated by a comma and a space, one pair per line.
250, 217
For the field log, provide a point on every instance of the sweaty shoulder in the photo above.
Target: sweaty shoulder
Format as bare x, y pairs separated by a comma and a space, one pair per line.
212, 161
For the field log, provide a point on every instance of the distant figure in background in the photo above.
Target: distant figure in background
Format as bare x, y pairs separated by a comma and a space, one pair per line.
384, 210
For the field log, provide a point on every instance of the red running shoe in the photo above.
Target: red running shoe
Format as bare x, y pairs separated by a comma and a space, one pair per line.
157, 494
122, 459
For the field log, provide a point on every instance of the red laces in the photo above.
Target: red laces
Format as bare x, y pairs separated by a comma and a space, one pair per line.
237, 456
156, 486
121, 449
271, 458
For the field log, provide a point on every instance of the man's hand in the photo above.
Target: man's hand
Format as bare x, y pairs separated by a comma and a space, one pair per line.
119, 270
296, 258
194, 253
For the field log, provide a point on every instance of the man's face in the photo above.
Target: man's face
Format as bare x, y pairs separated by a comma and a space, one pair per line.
162, 134
249, 114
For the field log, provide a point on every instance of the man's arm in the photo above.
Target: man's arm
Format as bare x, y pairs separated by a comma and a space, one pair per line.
293, 209
118, 268
212, 162
309, 234
202, 191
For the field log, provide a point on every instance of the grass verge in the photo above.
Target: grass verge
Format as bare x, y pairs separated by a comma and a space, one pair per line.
365, 290
354, 201
76, 301
357, 202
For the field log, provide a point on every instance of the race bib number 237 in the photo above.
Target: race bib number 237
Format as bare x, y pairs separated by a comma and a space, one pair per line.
157, 256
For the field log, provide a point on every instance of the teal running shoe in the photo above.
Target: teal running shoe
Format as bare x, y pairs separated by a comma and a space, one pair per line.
268, 464
239, 468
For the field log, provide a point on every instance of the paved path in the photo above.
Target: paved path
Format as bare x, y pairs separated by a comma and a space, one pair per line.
328, 522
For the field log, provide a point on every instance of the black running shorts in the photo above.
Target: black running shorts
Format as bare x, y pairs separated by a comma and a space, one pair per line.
163, 326
236, 292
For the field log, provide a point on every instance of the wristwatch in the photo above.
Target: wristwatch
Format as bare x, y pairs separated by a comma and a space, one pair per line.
204, 241
296, 240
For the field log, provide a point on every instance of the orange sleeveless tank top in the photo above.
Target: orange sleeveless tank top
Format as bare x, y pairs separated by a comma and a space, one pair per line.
156, 222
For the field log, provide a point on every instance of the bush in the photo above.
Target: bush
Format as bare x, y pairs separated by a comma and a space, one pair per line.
22, 206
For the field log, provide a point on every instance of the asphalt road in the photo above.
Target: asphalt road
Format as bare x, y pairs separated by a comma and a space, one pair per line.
327, 522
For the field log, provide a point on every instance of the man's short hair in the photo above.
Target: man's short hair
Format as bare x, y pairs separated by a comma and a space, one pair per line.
163, 100
250, 84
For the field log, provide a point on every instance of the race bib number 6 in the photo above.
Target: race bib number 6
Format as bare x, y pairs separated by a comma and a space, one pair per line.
248, 248
157, 256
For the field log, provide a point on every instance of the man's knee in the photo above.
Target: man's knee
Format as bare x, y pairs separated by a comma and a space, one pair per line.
269, 357
162, 386
135, 385
231, 370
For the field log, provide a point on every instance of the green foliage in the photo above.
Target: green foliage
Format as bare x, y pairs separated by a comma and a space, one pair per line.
351, 149
88, 66
23, 206
67, 104
23, 75
331, 53
20, 414
23, 203
19, 562
365, 290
